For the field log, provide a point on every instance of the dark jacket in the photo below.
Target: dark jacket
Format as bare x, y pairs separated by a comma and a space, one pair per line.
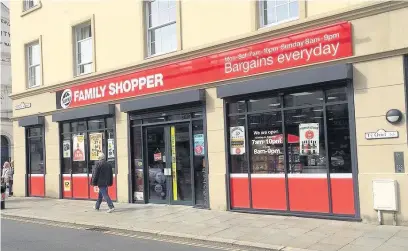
102, 174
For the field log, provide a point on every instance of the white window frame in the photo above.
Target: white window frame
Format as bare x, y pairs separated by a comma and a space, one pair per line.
78, 65
30, 4
29, 66
261, 7
150, 29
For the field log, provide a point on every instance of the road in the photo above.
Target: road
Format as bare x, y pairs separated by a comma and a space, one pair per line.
16, 235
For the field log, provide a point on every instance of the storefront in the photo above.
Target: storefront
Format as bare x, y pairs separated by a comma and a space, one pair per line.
168, 149
291, 143
82, 138
35, 152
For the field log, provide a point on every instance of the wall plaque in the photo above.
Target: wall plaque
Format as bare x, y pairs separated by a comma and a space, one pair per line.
381, 134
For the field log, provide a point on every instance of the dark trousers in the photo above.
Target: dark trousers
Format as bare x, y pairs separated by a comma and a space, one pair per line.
103, 193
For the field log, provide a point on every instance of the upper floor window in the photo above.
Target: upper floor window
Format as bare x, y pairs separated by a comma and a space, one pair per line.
83, 48
278, 11
28, 4
33, 64
161, 26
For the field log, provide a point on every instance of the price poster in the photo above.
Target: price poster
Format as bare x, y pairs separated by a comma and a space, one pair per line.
95, 142
309, 139
199, 149
66, 146
78, 147
237, 140
111, 148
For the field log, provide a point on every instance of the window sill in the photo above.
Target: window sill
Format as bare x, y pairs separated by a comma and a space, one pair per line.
279, 23
26, 12
33, 87
83, 74
161, 54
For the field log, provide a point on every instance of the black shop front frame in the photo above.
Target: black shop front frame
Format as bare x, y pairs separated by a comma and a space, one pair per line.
35, 155
292, 150
168, 163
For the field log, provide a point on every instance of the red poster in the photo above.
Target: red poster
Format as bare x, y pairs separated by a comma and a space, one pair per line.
309, 47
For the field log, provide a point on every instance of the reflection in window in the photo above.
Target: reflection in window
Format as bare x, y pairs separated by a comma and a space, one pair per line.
36, 148
237, 107
238, 159
305, 140
95, 124
338, 134
336, 94
304, 98
264, 104
200, 172
266, 143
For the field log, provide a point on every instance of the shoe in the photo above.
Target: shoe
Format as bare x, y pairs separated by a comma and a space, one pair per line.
96, 209
110, 210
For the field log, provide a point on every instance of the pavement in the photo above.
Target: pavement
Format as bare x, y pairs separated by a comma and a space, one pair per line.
35, 237
269, 232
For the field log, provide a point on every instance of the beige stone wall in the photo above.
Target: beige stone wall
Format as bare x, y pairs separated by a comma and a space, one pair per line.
122, 154
216, 150
52, 161
378, 87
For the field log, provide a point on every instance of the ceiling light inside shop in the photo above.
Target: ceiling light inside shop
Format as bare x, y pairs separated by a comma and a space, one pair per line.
301, 94
275, 104
95, 121
331, 98
298, 116
318, 110
253, 100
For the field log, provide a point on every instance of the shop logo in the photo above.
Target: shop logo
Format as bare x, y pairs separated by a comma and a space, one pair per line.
66, 98
309, 134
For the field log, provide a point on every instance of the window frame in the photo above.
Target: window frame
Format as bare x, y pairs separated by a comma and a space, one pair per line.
27, 7
149, 29
261, 12
28, 66
264, 95
77, 65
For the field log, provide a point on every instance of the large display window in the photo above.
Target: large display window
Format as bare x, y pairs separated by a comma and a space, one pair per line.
81, 143
290, 152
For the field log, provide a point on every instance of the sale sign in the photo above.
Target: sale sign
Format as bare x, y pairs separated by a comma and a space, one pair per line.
309, 47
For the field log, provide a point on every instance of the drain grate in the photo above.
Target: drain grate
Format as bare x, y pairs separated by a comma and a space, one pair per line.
97, 229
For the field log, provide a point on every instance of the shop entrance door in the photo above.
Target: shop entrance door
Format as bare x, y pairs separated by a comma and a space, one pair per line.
169, 164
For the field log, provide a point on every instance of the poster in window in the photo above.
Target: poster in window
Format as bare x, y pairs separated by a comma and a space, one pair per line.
95, 142
199, 149
66, 147
67, 185
111, 148
79, 148
237, 140
309, 139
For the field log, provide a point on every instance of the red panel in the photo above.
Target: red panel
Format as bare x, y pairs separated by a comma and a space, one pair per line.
79, 186
36, 186
308, 195
268, 193
66, 187
111, 190
343, 196
308, 47
239, 192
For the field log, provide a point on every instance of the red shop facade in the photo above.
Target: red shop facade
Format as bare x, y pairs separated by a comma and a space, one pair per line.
290, 137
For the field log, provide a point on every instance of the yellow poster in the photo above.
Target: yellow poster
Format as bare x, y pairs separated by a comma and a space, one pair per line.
95, 145
174, 161
67, 185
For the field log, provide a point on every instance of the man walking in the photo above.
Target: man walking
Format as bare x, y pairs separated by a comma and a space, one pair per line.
102, 177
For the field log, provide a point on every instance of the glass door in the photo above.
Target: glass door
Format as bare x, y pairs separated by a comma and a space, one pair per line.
181, 164
156, 142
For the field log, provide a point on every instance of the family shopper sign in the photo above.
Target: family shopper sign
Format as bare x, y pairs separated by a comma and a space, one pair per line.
313, 46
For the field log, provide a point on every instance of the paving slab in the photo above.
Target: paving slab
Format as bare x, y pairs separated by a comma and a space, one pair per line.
281, 232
